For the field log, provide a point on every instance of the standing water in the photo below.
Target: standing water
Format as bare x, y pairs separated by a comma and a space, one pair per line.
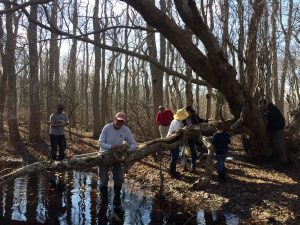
73, 198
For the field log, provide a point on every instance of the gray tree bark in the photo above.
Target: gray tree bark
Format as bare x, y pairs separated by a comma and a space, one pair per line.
34, 89
96, 84
14, 134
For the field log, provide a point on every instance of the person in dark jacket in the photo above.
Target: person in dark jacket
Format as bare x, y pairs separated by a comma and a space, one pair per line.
193, 119
275, 126
220, 142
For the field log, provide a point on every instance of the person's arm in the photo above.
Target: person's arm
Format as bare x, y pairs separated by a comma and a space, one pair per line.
103, 138
131, 141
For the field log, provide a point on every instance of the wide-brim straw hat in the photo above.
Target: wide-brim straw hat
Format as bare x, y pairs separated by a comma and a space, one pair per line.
181, 114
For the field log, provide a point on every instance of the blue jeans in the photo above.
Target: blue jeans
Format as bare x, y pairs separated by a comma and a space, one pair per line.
57, 140
118, 174
220, 162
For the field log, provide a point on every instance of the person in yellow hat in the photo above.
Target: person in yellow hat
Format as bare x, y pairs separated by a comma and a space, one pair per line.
176, 124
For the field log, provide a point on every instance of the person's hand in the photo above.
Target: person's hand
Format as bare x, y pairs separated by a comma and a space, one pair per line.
114, 146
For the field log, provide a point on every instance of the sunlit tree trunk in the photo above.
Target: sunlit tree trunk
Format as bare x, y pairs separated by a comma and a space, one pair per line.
241, 41
156, 77
288, 35
274, 51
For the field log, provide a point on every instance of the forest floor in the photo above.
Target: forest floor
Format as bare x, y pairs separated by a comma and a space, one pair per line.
256, 192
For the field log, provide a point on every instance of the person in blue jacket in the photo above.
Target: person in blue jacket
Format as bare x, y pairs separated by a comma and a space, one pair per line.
220, 142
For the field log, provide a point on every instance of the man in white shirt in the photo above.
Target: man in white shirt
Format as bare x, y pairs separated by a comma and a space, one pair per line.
112, 137
58, 121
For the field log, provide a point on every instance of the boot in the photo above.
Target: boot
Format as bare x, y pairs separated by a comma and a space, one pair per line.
173, 172
104, 194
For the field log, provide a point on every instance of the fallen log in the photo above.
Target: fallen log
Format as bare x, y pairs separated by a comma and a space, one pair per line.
109, 157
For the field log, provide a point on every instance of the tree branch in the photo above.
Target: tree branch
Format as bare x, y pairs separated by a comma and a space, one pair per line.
21, 6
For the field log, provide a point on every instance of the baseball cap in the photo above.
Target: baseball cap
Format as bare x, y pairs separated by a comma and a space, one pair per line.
121, 116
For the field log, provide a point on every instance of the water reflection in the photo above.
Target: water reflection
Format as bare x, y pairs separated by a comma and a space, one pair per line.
73, 198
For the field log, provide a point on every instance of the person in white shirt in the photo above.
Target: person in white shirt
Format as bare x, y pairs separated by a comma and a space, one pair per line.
112, 136
176, 124
57, 122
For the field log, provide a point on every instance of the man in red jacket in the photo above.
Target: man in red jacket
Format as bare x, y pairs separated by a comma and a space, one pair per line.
164, 118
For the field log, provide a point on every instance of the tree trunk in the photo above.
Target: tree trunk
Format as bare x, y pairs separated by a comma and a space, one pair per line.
3, 81
86, 84
241, 42
156, 77
52, 86
189, 74
103, 113
71, 93
96, 84
274, 51
14, 134
126, 72
288, 35
35, 116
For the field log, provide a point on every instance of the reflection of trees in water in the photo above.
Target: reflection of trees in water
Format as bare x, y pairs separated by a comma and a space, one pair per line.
73, 198
19, 199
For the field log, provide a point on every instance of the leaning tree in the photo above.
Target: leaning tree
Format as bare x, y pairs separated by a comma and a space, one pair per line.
213, 66
210, 62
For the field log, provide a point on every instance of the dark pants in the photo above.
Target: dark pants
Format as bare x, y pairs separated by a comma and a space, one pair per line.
174, 157
118, 174
220, 163
192, 144
57, 140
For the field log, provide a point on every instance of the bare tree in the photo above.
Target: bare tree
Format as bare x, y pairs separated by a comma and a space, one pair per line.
274, 59
35, 114
72, 72
96, 80
287, 40
14, 134
3, 80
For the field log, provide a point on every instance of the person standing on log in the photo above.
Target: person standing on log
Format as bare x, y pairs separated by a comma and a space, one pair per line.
193, 119
220, 142
164, 118
175, 125
275, 126
58, 121
111, 138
